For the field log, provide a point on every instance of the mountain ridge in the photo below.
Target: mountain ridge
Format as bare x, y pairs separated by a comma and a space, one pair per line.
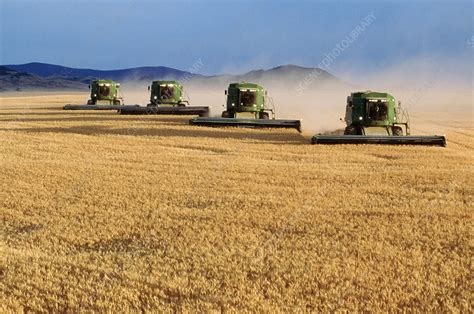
45, 75
13, 80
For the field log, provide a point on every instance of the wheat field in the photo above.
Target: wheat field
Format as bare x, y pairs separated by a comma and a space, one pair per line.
102, 212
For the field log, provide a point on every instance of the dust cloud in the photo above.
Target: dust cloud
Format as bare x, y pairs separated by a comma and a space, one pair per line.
434, 90
431, 92
135, 92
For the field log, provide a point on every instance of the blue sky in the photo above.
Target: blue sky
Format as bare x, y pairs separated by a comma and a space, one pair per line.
230, 36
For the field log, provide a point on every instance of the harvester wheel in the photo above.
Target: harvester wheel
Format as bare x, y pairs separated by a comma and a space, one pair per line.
264, 115
181, 104
397, 131
351, 130
117, 102
227, 114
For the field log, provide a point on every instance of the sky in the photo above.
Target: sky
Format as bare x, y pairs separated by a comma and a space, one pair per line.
233, 36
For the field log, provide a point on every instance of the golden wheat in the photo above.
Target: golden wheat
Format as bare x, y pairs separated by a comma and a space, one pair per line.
105, 212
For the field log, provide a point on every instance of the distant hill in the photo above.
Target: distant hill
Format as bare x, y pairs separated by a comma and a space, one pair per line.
11, 80
57, 71
282, 75
41, 75
289, 70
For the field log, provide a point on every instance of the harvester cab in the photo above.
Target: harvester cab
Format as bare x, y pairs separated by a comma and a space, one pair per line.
167, 93
248, 100
373, 113
376, 118
105, 91
248, 105
104, 95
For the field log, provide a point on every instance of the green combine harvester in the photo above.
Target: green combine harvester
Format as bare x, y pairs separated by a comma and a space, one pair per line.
248, 106
166, 98
376, 118
105, 95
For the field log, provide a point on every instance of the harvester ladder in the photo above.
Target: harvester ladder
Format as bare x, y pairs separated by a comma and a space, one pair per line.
270, 105
185, 96
403, 117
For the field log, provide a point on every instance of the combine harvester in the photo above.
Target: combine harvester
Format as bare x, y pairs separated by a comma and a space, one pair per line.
105, 95
166, 98
374, 118
247, 106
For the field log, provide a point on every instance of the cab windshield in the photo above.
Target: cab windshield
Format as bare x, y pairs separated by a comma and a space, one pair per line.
247, 97
377, 110
104, 90
166, 92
